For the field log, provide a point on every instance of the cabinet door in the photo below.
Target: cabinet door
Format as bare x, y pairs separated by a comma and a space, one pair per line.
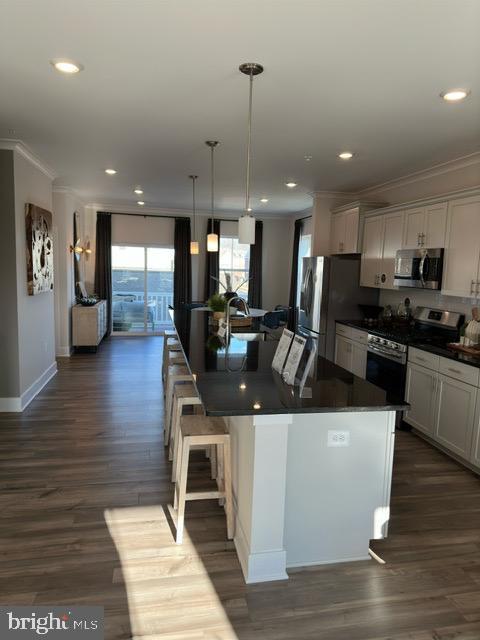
351, 218
359, 359
420, 393
337, 242
462, 248
435, 225
455, 414
343, 353
475, 451
372, 252
414, 227
392, 241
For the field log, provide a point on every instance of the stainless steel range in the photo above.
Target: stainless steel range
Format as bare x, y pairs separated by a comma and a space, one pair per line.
395, 351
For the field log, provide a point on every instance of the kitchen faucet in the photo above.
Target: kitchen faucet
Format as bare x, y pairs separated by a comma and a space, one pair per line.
246, 310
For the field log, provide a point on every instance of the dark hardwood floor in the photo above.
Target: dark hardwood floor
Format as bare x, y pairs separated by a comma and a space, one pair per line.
84, 519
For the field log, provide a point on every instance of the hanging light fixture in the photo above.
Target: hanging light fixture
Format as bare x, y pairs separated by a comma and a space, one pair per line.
194, 243
246, 224
212, 238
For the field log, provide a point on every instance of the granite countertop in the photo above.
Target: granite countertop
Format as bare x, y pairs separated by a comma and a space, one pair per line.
445, 352
242, 382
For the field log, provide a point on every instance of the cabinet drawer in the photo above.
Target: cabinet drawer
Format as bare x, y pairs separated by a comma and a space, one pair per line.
343, 330
424, 359
460, 371
358, 335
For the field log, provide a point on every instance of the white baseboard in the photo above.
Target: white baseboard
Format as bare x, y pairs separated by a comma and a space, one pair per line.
64, 352
314, 563
258, 567
18, 404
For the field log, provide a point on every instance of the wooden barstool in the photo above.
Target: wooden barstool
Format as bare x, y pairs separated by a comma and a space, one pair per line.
183, 395
177, 373
170, 346
202, 431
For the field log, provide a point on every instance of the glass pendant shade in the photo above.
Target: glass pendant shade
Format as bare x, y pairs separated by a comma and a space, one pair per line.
246, 230
194, 251
212, 242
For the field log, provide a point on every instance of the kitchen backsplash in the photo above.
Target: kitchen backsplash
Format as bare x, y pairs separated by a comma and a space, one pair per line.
419, 298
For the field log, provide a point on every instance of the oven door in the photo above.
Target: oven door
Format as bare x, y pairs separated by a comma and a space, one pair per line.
386, 373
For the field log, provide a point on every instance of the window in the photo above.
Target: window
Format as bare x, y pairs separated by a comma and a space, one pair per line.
234, 265
142, 288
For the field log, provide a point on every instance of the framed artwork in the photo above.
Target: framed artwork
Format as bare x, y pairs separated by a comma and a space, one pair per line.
38, 225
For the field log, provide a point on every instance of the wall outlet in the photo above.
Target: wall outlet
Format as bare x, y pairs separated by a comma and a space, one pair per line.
338, 438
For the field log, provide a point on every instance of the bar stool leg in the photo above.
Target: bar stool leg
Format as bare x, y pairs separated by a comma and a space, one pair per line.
227, 482
182, 490
211, 453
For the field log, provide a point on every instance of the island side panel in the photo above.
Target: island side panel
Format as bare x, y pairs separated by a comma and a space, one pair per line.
337, 498
259, 471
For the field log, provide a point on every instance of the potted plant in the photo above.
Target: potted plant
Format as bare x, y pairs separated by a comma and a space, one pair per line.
216, 304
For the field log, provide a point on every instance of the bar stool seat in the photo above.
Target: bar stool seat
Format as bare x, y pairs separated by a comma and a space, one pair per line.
200, 431
169, 345
183, 395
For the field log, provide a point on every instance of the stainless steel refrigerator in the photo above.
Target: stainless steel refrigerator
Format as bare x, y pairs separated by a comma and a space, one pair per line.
330, 291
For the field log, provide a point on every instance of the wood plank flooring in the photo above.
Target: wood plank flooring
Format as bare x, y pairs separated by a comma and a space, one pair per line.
84, 519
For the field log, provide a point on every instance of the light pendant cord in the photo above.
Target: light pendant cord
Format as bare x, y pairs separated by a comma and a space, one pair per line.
212, 167
194, 207
249, 143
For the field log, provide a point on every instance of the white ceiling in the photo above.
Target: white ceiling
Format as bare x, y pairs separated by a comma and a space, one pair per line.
161, 76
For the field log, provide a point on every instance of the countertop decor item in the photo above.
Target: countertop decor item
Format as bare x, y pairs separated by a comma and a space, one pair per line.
89, 301
246, 223
216, 303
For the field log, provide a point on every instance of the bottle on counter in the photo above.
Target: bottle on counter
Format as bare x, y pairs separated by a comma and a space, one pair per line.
404, 311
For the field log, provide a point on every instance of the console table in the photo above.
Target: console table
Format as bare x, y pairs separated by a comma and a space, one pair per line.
89, 324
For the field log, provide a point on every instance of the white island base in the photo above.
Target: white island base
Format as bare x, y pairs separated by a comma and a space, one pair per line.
299, 500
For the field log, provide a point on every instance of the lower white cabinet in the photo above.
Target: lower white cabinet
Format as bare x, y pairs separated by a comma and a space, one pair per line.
89, 324
455, 413
444, 407
351, 350
420, 394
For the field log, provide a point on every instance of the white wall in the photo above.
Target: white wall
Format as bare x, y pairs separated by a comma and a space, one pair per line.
433, 299
36, 315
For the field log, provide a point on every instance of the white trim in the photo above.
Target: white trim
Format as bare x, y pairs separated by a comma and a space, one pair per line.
64, 352
10, 405
18, 404
314, 563
21, 148
35, 388
424, 174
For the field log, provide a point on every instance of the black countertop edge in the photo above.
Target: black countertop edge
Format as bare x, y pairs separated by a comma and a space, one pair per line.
304, 410
444, 352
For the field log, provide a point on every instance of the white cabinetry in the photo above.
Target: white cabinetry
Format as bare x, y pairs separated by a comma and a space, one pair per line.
420, 394
89, 324
462, 259
382, 237
445, 407
351, 350
425, 226
346, 227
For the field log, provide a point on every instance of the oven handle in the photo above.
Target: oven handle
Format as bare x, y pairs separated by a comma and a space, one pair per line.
388, 354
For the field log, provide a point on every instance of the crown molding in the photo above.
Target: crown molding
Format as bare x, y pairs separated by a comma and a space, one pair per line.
25, 151
334, 194
69, 191
135, 209
424, 174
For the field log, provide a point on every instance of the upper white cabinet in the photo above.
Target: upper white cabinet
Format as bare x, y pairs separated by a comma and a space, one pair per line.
346, 227
462, 260
425, 226
382, 237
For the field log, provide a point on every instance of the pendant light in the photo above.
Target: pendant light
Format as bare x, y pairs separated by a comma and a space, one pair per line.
212, 238
246, 224
194, 243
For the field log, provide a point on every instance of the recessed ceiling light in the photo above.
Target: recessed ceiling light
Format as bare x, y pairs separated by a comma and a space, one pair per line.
139, 192
454, 95
307, 158
111, 172
345, 155
291, 185
66, 66
141, 203
263, 200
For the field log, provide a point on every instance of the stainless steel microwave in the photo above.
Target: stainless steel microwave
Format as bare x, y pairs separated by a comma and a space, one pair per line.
419, 268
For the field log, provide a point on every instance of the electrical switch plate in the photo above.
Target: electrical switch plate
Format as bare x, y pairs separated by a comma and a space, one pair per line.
338, 438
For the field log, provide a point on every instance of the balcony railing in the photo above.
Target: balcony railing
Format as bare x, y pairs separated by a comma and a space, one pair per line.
130, 313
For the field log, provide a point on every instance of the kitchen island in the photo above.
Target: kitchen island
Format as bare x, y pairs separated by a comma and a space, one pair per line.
311, 471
